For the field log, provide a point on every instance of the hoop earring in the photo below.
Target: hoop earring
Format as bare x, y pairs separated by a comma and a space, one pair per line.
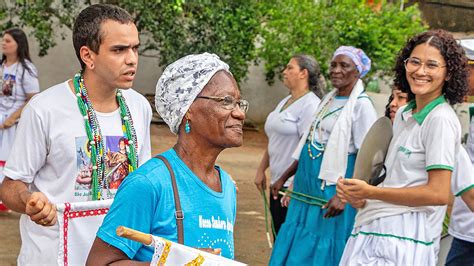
92, 66
187, 127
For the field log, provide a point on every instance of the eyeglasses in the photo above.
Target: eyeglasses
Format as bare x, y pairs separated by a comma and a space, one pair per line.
430, 67
228, 102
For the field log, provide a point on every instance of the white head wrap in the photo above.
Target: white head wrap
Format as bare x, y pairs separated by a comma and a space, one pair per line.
180, 84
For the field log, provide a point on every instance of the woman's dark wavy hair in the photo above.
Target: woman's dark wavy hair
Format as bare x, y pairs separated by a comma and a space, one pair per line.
456, 64
387, 107
23, 50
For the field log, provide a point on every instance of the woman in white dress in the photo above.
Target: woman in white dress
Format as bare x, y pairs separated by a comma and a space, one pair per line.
18, 83
391, 225
286, 124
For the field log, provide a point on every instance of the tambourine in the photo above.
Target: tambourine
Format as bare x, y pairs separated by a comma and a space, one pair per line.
369, 165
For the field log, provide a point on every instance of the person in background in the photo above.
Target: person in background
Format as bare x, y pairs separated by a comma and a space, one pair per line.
286, 124
461, 224
396, 99
326, 151
18, 83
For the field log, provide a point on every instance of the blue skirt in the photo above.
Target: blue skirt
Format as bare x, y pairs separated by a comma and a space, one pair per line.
306, 238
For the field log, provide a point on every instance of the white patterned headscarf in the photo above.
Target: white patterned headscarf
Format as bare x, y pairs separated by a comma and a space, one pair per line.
180, 84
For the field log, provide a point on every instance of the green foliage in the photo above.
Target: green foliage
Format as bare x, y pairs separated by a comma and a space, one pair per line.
319, 27
43, 17
225, 28
169, 29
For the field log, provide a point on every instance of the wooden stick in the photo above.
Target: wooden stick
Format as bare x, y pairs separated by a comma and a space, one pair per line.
145, 239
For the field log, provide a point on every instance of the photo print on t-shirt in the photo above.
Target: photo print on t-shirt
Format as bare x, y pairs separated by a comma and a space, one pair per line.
116, 166
8, 82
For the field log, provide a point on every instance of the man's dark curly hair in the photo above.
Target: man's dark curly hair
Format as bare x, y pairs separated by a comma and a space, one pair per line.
456, 64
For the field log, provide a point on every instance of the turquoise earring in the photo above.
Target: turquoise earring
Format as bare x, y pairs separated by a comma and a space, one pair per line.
187, 127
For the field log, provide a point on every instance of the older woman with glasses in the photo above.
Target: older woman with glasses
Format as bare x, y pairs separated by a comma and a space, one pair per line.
326, 151
199, 99
392, 225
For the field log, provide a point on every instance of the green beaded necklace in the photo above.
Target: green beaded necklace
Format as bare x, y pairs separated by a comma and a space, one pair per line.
96, 140
316, 125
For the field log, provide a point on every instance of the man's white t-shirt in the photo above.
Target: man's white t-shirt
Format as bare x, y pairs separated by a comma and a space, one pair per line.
284, 129
51, 154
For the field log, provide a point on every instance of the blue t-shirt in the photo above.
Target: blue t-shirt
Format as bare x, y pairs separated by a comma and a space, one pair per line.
145, 202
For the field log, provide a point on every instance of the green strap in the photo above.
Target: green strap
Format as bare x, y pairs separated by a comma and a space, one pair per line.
332, 112
266, 207
305, 198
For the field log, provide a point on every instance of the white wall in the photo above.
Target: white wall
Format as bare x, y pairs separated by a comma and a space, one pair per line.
61, 64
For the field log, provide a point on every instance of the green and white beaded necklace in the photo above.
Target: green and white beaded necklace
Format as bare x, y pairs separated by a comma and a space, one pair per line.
316, 126
96, 140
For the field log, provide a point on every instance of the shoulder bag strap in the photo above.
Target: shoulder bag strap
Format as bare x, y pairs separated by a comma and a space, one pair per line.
179, 212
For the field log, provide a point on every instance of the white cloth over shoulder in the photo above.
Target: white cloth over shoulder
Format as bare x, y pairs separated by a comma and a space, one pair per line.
338, 143
171, 253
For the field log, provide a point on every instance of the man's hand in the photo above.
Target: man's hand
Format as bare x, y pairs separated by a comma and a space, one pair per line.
261, 180
40, 210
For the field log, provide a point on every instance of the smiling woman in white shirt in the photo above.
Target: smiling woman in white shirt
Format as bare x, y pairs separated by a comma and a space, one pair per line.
392, 223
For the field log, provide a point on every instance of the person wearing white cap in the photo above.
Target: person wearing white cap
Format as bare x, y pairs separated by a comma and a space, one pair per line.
199, 99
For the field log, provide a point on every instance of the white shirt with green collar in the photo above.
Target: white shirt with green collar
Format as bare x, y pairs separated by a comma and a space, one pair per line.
426, 140
461, 224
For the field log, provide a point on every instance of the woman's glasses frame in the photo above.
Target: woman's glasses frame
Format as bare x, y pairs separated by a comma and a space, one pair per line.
228, 102
412, 64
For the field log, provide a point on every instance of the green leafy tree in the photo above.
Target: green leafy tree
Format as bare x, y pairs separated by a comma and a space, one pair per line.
319, 27
169, 29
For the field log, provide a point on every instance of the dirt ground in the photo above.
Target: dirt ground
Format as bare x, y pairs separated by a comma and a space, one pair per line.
250, 234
